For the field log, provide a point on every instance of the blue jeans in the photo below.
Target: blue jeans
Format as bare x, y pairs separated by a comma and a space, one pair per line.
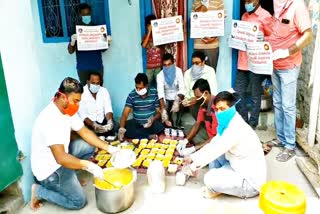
62, 187
243, 80
284, 102
219, 162
136, 130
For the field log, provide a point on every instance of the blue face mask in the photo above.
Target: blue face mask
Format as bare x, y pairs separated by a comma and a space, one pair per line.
169, 74
249, 7
86, 19
94, 88
224, 118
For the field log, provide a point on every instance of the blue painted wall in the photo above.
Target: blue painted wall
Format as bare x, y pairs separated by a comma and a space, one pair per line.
34, 70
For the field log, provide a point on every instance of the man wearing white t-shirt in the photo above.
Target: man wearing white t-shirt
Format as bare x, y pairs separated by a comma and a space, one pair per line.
95, 107
54, 158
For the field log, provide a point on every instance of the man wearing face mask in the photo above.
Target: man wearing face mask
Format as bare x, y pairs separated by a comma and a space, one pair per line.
243, 170
87, 61
143, 103
170, 87
206, 116
255, 13
54, 158
290, 34
197, 71
96, 107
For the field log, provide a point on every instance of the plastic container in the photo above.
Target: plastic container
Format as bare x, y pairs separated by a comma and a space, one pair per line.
279, 197
156, 177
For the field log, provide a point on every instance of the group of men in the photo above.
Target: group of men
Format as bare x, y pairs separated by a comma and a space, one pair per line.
231, 149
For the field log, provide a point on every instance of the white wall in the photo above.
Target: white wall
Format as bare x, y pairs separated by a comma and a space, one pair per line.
34, 70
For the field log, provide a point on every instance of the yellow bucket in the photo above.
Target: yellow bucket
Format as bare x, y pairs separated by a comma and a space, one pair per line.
279, 197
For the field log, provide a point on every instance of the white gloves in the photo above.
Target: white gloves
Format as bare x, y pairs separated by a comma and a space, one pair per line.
98, 128
109, 39
280, 54
186, 151
176, 104
164, 115
109, 126
121, 133
73, 39
113, 149
95, 170
149, 123
182, 144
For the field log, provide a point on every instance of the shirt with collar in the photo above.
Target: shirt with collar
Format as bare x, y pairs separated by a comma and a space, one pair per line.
95, 109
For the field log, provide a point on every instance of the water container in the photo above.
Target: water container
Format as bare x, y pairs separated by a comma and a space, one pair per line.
156, 177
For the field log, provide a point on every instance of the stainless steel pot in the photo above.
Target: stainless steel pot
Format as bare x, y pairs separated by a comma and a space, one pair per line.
114, 201
266, 103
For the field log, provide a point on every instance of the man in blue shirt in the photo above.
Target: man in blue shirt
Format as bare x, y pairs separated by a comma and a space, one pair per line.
144, 104
87, 61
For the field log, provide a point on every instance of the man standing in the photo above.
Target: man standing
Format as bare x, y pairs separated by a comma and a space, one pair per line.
206, 115
144, 104
238, 166
209, 45
245, 78
96, 107
170, 87
87, 61
291, 32
54, 159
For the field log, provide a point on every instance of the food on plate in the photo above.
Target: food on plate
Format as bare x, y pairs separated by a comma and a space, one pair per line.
101, 163
159, 157
173, 142
99, 157
135, 141
165, 163
150, 145
102, 152
164, 146
166, 141
151, 156
144, 141
161, 151
137, 163
109, 164
145, 151
157, 145
146, 163
170, 151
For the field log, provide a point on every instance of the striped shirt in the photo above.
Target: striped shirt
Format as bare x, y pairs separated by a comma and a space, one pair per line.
143, 108
212, 5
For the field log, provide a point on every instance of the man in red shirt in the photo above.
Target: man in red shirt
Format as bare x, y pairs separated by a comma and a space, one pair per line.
154, 53
206, 116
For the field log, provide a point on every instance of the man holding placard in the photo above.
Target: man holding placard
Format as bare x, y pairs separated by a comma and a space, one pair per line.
209, 45
88, 43
256, 14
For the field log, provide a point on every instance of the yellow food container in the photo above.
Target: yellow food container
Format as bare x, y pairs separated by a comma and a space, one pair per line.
144, 141
101, 163
173, 142
166, 141
142, 145
165, 163
157, 145
102, 152
109, 164
137, 151
167, 157
171, 146
137, 163
146, 163
161, 151
169, 151
99, 157
178, 161
279, 197
164, 146
159, 157
151, 156
142, 156
145, 151
106, 157
114, 143
152, 141
150, 145
118, 177
154, 151
135, 141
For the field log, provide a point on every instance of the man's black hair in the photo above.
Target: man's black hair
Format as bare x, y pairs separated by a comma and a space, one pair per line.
70, 85
149, 18
84, 6
225, 96
168, 56
141, 77
94, 74
202, 85
199, 54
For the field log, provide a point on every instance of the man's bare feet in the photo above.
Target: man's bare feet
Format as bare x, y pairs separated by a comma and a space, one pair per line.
209, 194
35, 203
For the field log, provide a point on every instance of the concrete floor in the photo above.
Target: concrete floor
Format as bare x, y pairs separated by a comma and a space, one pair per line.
188, 199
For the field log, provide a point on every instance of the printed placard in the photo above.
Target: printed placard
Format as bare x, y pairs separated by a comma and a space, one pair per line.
91, 37
260, 57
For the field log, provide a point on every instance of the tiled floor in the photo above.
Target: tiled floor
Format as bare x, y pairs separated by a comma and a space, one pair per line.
188, 199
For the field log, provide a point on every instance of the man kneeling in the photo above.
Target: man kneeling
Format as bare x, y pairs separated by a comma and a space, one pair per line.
235, 157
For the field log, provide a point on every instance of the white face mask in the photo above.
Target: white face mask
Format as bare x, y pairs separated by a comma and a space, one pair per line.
94, 88
142, 91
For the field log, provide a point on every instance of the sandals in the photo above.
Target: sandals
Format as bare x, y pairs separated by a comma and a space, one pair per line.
285, 155
276, 143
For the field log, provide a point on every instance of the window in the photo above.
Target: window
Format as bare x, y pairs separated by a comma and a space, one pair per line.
58, 18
